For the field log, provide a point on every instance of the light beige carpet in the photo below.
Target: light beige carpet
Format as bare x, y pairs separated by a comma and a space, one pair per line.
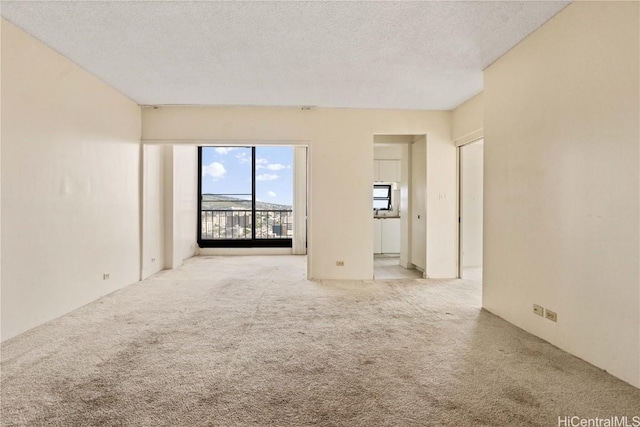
247, 341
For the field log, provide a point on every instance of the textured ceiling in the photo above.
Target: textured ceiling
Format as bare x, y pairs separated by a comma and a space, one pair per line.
417, 55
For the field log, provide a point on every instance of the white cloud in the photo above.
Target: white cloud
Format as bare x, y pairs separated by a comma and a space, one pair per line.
215, 170
277, 167
266, 177
271, 194
260, 163
242, 157
224, 150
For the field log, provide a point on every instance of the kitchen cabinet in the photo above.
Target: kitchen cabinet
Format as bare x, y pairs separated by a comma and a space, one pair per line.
391, 236
386, 171
377, 236
386, 235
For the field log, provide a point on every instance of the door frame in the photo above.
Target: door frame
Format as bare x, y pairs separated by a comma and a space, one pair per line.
459, 198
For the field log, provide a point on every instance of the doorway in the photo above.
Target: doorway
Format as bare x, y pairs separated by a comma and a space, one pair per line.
392, 195
471, 209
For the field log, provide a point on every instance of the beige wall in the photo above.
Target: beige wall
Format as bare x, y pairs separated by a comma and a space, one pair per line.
471, 165
442, 215
562, 184
340, 172
419, 204
153, 207
387, 152
177, 211
467, 121
185, 202
70, 185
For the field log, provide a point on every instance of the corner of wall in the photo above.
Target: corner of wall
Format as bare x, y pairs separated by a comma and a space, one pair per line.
562, 196
467, 121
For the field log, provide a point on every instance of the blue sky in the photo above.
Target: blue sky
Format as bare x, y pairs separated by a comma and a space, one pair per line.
227, 170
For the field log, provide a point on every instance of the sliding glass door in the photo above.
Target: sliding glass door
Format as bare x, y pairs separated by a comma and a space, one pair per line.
245, 196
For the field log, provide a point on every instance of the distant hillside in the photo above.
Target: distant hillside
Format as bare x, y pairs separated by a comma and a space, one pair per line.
216, 202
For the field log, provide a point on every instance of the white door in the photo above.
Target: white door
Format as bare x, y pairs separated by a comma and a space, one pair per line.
471, 184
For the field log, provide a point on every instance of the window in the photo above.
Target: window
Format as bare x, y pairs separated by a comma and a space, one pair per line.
246, 196
382, 197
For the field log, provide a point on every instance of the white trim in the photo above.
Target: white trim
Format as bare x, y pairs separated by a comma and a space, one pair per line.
470, 137
299, 200
224, 142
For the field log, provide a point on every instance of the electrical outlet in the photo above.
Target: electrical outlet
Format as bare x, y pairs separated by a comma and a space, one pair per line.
538, 310
551, 315
340, 263
153, 260
105, 276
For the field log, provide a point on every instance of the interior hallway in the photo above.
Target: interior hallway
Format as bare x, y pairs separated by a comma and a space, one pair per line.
235, 341
388, 267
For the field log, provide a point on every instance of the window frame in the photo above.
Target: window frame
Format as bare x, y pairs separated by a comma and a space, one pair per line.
387, 198
253, 242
